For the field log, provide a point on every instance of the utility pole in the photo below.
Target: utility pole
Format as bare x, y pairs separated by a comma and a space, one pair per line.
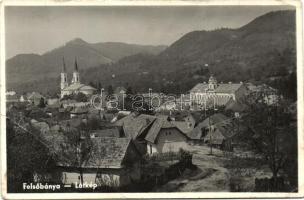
210, 140
211, 129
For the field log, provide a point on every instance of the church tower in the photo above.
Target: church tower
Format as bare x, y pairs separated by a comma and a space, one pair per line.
212, 84
75, 78
63, 76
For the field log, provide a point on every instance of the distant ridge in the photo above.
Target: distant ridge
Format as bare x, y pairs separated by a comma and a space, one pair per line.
32, 67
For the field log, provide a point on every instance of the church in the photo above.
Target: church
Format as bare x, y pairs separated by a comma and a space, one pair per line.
75, 87
214, 94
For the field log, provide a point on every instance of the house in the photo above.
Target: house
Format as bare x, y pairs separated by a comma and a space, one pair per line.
12, 98
74, 103
36, 113
111, 162
53, 101
106, 116
23, 98
35, 98
135, 127
109, 132
165, 136
120, 90
70, 123
236, 107
213, 94
120, 115
41, 126
50, 111
217, 130
78, 111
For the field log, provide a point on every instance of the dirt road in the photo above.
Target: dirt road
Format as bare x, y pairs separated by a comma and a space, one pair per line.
210, 175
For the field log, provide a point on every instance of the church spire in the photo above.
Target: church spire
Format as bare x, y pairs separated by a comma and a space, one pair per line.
75, 78
63, 66
64, 76
76, 65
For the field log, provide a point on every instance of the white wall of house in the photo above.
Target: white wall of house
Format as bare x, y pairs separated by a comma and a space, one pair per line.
168, 140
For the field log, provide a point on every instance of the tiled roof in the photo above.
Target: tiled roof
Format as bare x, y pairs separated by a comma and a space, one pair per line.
75, 122
156, 127
35, 95
162, 121
214, 119
110, 132
183, 126
223, 128
121, 121
196, 133
79, 110
134, 125
235, 106
216, 137
106, 152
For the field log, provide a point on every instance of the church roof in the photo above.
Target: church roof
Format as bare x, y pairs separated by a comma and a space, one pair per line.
221, 88
78, 86
200, 87
228, 87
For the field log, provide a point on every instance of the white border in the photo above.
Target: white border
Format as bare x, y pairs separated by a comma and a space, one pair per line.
299, 35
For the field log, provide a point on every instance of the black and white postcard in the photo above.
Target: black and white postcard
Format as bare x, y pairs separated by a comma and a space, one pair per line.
150, 99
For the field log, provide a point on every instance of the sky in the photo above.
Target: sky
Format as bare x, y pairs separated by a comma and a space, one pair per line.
41, 29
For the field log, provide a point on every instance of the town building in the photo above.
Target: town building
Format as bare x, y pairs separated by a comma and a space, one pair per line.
214, 94
76, 86
217, 130
35, 98
113, 162
164, 136
120, 90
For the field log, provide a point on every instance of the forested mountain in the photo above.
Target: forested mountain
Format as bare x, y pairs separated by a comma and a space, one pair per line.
31, 67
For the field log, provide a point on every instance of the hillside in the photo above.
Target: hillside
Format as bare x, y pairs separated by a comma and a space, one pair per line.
263, 48
32, 67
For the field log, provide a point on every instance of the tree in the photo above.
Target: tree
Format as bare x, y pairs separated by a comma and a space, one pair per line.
110, 90
78, 147
99, 86
26, 155
271, 126
41, 103
129, 90
80, 97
